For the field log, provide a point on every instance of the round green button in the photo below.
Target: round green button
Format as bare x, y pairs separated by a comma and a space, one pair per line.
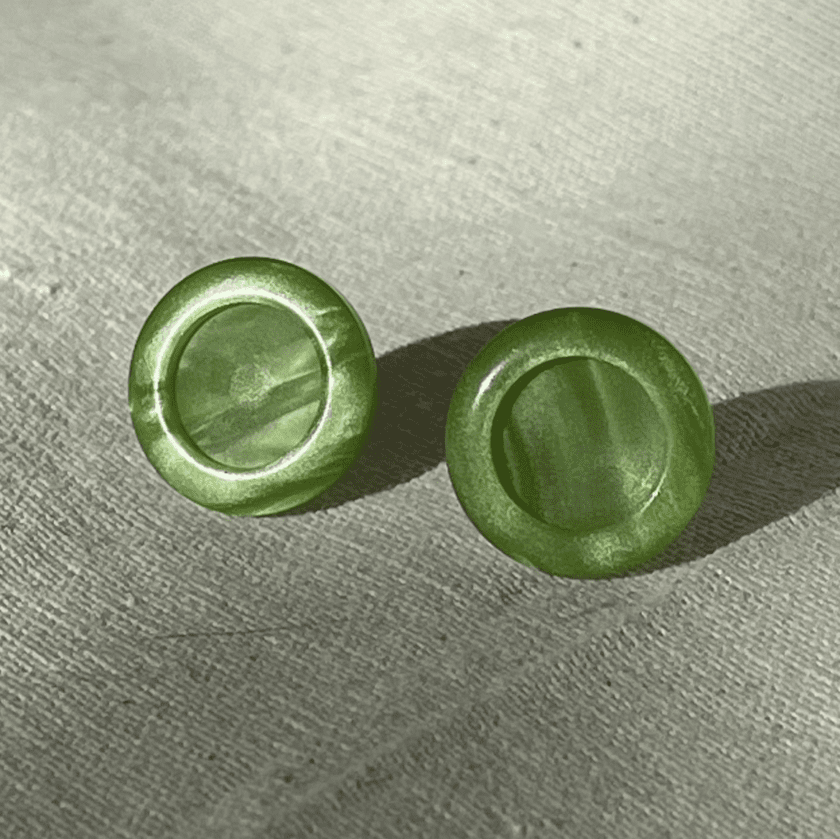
252, 386
580, 441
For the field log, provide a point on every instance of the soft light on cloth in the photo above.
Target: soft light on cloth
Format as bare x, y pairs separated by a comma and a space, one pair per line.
370, 666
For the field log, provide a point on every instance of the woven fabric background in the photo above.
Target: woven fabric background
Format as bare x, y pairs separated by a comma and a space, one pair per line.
371, 666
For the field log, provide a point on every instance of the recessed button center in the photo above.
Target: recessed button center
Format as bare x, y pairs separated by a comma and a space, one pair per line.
578, 444
249, 386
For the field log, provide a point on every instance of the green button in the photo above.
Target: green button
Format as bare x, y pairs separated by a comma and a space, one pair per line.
252, 386
580, 441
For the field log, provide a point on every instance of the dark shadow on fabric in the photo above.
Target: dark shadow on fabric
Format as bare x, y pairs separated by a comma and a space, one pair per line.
406, 440
777, 450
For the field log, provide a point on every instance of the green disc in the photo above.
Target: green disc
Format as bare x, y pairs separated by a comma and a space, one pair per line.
252, 386
580, 441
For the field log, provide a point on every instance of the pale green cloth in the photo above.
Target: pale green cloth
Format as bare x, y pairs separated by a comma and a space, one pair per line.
372, 667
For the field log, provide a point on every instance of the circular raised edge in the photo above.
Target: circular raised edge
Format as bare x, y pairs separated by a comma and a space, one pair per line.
669, 381
350, 371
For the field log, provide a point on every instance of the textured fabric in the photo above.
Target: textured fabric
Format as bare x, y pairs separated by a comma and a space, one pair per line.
370, 666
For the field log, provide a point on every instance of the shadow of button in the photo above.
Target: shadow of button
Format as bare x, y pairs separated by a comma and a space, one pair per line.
777, 450
406, 440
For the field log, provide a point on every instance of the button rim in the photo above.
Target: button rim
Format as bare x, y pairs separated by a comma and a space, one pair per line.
344, 423
672, 385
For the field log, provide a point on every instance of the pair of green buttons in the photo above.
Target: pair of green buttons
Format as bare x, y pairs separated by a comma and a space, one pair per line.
578, 441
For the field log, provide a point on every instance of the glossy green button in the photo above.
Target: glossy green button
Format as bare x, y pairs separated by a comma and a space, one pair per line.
252, 386
580, 441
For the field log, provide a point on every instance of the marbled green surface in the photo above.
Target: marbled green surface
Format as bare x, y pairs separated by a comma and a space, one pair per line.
252, 386
249, 385
580, 441
579, 444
